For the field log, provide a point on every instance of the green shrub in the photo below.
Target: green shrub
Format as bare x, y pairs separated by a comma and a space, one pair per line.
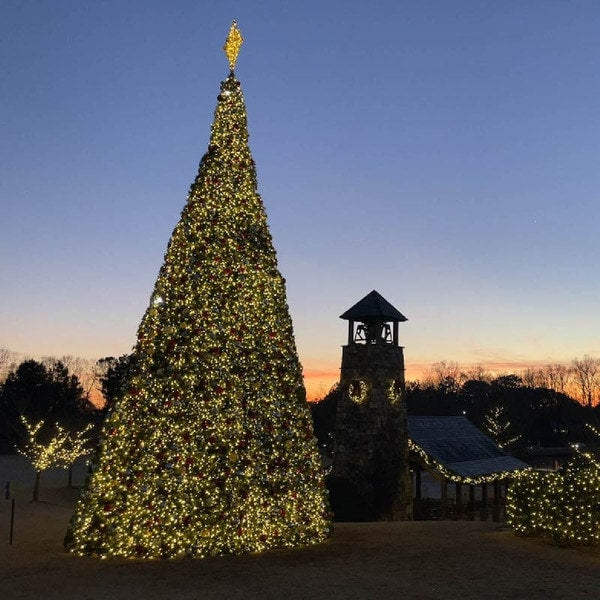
562, 505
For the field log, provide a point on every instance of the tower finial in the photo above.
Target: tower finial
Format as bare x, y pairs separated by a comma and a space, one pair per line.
233, 43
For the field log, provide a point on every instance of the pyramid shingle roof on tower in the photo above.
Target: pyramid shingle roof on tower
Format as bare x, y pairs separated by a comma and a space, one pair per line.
373, 306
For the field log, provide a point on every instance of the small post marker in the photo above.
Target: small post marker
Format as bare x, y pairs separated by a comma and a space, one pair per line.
12, 511
12, 522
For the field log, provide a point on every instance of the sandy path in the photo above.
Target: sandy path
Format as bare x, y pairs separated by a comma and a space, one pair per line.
362, 560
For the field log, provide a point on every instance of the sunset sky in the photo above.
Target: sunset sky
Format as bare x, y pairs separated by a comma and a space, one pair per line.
443, 153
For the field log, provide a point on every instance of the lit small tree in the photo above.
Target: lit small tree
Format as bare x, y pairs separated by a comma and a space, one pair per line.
42, 455
62, 449
76, 445
562, 505
498, 427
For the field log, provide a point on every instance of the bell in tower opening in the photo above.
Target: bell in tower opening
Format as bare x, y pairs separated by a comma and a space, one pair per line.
370, 480
373, 333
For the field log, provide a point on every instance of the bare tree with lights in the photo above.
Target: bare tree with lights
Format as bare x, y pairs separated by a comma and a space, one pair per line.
60, 448
498, 426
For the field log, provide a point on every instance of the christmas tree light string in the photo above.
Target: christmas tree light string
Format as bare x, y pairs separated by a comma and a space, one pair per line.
211, 449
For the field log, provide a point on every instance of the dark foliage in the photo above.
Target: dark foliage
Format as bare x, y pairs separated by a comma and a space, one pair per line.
39, 393
114, 381
345, 500
540, 416
323, 414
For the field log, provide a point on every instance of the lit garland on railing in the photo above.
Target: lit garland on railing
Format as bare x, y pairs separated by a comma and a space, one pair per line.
434, 465
562, 505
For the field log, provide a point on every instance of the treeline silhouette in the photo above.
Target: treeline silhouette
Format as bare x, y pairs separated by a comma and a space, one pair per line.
548, 407
41, 392
517, 415
48, 390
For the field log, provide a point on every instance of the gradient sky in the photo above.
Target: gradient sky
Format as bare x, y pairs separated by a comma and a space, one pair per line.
443, 153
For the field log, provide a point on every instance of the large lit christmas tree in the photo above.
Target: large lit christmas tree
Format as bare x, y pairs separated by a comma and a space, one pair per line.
210, 450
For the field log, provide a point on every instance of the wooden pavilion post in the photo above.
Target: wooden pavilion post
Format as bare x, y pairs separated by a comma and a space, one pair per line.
484, 502
459, 502
418, 482
496, 502
418, 506
444, 496
471, 509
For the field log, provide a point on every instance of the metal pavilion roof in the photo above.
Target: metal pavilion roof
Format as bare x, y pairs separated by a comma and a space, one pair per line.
456, 444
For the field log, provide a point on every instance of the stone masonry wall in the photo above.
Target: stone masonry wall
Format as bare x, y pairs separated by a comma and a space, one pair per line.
371, 476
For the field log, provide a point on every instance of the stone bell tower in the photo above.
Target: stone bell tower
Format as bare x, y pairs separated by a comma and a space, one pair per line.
371, 480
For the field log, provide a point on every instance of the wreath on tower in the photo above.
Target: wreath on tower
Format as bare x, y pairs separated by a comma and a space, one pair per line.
394, 391
358, 391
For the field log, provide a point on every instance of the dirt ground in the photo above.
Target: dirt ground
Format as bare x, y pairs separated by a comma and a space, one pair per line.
419, 560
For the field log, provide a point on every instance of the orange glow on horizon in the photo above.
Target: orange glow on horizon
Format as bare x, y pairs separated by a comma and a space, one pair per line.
96, 398
318, 382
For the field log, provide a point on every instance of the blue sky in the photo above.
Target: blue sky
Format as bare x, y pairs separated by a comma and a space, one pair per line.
443, 153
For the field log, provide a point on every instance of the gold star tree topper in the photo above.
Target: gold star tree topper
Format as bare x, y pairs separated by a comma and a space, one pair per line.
233, 43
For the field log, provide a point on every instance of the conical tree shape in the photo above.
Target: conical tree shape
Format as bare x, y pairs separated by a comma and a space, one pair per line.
210, 450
